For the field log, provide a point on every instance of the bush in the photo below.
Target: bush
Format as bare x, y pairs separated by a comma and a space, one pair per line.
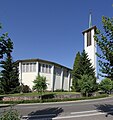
22, 88
11, 114
26, 89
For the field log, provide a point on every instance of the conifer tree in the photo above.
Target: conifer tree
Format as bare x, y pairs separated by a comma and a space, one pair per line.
76, 72
82, 66
9, 74
86, 65
105, 42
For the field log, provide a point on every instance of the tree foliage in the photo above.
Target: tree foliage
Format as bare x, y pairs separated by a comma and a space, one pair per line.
9, 74
106, 85
76, 72
11, 114
40, 84
86, 84
86, 65
105, 42
82, 66
6, 45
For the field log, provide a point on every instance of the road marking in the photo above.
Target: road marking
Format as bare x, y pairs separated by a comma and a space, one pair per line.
45, 115
76, 116
85, 112
66, 117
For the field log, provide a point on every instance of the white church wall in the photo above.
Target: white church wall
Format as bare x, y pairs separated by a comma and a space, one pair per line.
28, 78
57, 82
91, 50
48, 78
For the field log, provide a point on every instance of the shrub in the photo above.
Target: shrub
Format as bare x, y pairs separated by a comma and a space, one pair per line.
22, 88
10, 114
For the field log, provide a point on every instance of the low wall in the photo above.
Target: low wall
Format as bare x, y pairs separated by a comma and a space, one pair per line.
50, 96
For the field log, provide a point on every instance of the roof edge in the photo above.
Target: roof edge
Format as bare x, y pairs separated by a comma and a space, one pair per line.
93, 27
41, 60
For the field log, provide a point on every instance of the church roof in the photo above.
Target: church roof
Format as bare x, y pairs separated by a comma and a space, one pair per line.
41, 60
93, 27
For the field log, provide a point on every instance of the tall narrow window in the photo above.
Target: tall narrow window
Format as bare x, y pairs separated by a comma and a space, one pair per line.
23, 67
89, 38
34, 67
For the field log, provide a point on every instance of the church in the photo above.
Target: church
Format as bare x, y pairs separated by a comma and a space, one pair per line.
57, 76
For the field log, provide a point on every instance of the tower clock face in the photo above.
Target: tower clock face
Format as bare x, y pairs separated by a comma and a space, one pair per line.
89, 38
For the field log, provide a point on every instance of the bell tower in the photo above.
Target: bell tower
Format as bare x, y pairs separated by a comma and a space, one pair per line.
90, 44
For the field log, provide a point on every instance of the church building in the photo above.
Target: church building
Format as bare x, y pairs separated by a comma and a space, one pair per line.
58, 76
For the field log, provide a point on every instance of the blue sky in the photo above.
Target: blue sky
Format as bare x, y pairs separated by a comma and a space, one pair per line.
50, 29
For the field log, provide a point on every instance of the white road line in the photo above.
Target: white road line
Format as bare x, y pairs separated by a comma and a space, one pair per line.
85, 112
76, 116
71, 116
45, 115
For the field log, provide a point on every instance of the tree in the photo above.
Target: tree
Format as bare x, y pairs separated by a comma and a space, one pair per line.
76, 72
86, 84
6, 45
40, 84
82, 66
106, 85
9, 74
105, 42
86, 65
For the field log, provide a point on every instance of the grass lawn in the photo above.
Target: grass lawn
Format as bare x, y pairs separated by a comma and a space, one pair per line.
36, 93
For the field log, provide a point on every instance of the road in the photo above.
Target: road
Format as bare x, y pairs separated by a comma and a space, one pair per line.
101, 109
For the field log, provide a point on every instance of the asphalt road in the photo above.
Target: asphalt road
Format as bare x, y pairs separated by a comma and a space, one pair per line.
101, 109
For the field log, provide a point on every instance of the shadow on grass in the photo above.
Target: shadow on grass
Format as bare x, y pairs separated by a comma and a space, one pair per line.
47, 113
106, 108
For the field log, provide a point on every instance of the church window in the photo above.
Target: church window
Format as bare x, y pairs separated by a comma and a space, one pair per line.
57, 71
23, 68
89, 38
29, 67
65, 73
44, 68
34, 67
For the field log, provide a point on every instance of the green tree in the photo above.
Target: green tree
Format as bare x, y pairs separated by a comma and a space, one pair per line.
105, 42
106, 85
82, 66
86, 65
76, 72
6, 45
40, 84
86, 84
9, 74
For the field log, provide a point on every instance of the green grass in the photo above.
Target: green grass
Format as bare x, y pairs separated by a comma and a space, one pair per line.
36, 94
